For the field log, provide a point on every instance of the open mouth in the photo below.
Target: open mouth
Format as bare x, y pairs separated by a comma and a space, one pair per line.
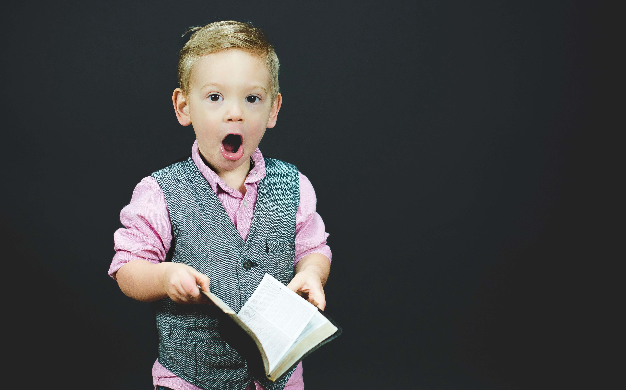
232, 142
232, 148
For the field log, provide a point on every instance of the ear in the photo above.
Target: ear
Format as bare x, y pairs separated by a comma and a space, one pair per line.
181, 107
271, 122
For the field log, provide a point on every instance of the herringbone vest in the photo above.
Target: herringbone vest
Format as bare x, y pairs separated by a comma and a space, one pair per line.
190, 344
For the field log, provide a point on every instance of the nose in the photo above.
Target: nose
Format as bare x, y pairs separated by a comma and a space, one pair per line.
234, 112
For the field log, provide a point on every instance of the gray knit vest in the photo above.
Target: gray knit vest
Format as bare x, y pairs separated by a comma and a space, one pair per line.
190, 343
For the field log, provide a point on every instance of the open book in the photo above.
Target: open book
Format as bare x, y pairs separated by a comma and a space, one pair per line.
283, 325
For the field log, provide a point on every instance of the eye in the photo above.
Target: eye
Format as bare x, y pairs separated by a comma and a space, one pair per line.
253, 99
215, 97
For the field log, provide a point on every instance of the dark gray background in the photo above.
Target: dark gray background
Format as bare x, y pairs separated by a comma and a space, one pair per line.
453, 146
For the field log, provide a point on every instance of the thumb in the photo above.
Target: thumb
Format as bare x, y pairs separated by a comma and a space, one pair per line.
202, 281
317, 298
295, 285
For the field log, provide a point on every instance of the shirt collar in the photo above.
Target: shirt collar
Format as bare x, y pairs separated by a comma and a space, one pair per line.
254, 176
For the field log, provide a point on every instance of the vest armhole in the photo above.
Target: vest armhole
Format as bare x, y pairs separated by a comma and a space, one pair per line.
170, 253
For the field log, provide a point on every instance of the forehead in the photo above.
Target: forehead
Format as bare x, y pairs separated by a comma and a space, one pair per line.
232, 67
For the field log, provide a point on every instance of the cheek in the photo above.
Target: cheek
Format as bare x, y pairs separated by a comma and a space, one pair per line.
207, 129
206, 120
257, 123
255, 133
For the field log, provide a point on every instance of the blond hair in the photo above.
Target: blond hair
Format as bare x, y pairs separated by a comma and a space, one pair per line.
218, 36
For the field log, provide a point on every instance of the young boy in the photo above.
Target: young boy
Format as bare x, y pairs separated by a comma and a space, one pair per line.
222, 218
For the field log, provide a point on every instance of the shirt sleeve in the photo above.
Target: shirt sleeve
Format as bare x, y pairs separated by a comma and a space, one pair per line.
147, 233
310, 230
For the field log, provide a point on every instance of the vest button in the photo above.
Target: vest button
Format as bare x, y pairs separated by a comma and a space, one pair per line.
248, 264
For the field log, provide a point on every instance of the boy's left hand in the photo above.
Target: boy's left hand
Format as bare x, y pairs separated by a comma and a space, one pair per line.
309, 286
311, 274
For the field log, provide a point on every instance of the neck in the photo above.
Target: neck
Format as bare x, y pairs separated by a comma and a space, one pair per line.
234, 179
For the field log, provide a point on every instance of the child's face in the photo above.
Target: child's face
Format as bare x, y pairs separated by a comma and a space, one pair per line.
229, 106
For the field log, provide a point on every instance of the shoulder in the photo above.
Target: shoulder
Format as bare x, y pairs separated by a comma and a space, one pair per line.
308, 199
273, 165
147, 190
147, 206
306, 188
173, 170
281, 174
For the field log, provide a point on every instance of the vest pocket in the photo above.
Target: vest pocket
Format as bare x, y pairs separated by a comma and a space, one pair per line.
277, 246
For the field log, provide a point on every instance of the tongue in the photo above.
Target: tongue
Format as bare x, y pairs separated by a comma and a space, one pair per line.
231, 147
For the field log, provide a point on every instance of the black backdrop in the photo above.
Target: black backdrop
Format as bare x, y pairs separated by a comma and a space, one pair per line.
449, 143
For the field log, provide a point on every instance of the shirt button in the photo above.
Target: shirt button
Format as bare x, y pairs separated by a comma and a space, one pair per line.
248, 264
244, 203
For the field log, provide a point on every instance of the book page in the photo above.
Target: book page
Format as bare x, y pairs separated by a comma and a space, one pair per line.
277, 316
316, 331
316, 321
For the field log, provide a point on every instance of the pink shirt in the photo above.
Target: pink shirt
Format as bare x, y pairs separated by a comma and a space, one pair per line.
147, 234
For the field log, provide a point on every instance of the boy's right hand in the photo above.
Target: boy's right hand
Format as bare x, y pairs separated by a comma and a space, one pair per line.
183, 283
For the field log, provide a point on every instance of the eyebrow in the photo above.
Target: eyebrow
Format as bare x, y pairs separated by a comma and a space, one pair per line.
220, 86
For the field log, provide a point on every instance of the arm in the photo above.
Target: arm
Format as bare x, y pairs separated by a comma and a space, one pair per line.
145, 281
311, 275
141, 247
312, 254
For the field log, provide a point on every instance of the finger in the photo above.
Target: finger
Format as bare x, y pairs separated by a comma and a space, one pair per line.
317, 298
187, 297
202, 281
185, 289
178, 291
203, 285
179, 294
295, 284
203, 298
